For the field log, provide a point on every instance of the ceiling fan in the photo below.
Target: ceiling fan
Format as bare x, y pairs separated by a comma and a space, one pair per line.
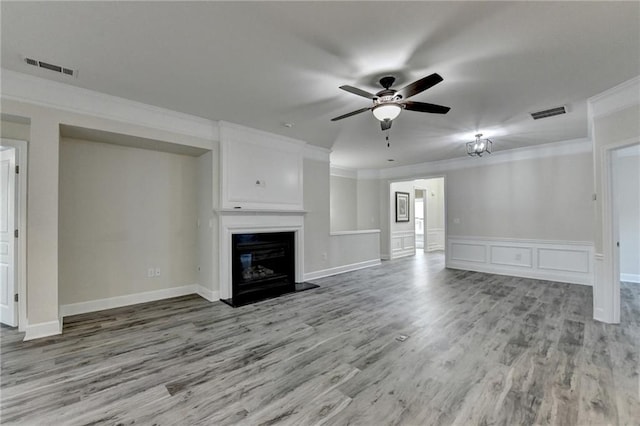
388, 102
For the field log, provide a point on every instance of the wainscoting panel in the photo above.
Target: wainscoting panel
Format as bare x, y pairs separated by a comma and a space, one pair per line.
435, 239
402, 244
564, 261
512, 256
461, 251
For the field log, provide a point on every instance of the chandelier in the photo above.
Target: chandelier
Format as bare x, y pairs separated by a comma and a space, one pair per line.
479, 146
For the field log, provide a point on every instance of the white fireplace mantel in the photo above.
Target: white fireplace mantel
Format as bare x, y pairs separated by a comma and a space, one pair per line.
247, 221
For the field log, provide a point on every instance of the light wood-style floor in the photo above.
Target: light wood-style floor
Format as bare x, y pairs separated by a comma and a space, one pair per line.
481, 350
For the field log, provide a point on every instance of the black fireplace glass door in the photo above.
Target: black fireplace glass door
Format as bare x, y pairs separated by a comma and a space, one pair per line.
263, 266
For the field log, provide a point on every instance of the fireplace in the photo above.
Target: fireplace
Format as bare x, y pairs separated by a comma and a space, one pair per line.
262, 266
234, 222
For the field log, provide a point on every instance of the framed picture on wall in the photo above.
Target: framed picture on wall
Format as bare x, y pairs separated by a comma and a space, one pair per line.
402, 207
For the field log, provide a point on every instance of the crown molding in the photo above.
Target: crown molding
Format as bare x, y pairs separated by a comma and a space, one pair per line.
52, 94
570, 147
617, 98
317, 153
343, 172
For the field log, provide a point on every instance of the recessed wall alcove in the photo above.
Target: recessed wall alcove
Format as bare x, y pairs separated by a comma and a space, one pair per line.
135, 219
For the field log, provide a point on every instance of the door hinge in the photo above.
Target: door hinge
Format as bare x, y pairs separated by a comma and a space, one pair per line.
17, 170
15, 297
15, 233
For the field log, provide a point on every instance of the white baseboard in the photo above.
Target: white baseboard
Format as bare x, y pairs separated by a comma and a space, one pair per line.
210, 295
630, 278
341, 269
43, 329
129, 299
563, 261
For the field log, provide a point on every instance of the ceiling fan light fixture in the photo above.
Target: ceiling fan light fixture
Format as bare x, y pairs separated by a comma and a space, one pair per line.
388, 111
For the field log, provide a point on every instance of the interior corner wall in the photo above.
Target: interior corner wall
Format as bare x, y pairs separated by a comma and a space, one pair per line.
123, 211
317, 219
343, 203
205, 222
539, 199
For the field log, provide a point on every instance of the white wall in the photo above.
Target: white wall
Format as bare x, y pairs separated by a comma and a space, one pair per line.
316, 220
11, 130
343, 203
206, 223
543, 199
626, 166
368, 204
122, 211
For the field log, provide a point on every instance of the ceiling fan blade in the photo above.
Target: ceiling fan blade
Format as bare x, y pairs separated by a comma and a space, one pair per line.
358, 92
349, 114
385, 125
425, 107
420, 85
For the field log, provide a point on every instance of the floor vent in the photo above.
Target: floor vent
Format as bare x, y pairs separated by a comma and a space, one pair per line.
549, 112
51, 67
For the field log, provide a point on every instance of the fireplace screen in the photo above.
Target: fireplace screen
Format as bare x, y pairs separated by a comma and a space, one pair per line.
263, 266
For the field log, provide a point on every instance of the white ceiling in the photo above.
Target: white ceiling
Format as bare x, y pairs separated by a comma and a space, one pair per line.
263, 64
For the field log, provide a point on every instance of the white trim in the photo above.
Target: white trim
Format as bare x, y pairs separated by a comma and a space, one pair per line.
362, 231
343, 172
563, 261
21, 224
126, 300
341, 269
229, 224
411, 172
317, 153
630, 278
622, 96
205, 293
52, 94
43, 329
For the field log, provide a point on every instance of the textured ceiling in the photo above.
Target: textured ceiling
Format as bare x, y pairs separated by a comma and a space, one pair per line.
263, 64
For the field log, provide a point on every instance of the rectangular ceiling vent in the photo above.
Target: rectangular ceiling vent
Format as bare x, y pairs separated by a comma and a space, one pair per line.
51, 67
549, 112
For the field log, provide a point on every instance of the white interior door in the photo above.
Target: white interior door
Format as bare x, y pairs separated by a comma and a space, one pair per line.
8, 311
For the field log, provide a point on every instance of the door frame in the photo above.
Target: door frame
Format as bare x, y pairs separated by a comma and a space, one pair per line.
21, 148
610, 277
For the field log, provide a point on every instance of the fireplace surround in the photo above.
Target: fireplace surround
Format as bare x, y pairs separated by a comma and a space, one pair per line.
232, 222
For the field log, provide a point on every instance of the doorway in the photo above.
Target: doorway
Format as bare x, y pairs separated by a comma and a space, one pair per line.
619, 200
13, 203
625, 184
430, 214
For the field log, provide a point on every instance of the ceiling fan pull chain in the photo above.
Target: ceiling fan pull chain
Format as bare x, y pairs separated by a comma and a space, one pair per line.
388, 143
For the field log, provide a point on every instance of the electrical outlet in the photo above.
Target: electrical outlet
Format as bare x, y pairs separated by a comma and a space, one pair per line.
150, 273
157, 272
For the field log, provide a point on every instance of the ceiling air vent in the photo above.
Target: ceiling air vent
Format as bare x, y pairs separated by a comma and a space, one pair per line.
549, 112
51, 67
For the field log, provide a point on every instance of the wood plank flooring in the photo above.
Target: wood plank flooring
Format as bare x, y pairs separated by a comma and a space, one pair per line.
481, 350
